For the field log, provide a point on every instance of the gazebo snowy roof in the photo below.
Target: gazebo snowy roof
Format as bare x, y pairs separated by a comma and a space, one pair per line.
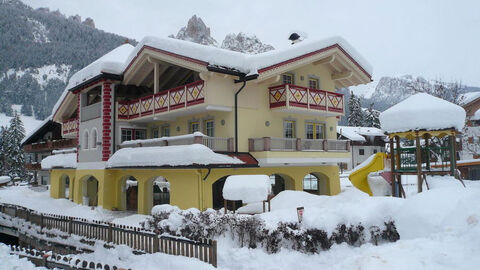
422, 112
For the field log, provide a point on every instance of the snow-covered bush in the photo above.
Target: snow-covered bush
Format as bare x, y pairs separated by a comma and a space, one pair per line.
251, 230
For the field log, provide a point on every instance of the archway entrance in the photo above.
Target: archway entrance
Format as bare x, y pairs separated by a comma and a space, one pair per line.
217, 196
90, 191
161, 191
280, 183
316, 183
64, 186
131, 194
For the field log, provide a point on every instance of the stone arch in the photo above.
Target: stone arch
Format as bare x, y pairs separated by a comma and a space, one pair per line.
64, 186
89, 190
281, 182
157, 191
316, 183
217, 195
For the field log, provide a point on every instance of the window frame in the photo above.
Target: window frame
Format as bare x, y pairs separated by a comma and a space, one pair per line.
133, 134
310, 178
292, 78
94, 138
206, 128
157, 131
165, 131
86, 139
191, 124
293, 128
361, 152
317, 83
316, 126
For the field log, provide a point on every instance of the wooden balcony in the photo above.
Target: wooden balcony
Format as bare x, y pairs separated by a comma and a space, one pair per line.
296, 144
50, 145
70, 127
33, 166
289, 96
217, 144
177, 98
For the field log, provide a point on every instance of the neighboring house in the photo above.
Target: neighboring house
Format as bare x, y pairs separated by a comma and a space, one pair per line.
469, 169
365, 141
39, 144
471, 144
273, 113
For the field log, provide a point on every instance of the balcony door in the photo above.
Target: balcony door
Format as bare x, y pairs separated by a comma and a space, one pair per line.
315, 131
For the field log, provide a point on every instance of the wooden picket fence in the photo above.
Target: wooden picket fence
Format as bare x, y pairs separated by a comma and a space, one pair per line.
136, 238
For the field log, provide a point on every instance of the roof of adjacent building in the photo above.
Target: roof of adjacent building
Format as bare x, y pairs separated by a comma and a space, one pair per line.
358, 133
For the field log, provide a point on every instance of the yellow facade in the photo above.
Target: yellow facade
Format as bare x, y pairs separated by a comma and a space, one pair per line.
188, 187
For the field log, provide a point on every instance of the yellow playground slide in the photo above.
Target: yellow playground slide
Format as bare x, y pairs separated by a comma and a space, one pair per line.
359, 177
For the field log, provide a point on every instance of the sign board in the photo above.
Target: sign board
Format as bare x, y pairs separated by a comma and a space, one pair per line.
300, 214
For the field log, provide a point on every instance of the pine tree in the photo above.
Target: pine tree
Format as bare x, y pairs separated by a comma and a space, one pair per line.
3, 140
15, 156
356, 116
372, 117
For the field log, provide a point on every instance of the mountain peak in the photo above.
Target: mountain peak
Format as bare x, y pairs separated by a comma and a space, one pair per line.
246, 43
196, 31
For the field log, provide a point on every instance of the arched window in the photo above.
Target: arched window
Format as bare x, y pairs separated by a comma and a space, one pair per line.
94, 138
85, 140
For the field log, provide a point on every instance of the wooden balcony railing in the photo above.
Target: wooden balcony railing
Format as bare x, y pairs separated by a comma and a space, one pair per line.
180, 97
70, 127
50, 145
296, 144
289, 95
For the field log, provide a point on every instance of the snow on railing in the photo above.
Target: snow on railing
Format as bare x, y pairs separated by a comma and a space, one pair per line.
289, 95
92, 230
296, 144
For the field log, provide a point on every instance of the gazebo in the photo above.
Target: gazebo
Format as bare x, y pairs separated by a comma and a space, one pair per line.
422, 130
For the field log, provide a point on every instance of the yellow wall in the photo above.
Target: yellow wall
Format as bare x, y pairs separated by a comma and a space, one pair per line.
188, 187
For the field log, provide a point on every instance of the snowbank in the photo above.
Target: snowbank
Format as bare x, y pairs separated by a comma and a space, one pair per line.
178, 155
60, 161
247, 188
5, 179
422, 112
14, 261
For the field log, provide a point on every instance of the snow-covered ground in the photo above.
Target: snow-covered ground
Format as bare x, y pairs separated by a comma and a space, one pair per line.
13, 262
439, 229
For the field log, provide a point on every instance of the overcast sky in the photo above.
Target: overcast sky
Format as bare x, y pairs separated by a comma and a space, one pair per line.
435, 39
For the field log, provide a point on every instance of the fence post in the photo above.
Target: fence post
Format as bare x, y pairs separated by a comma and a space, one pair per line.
41, 222
214, 253
110, 233
155, 243
325, 145
267, 143
299, 144
70, 225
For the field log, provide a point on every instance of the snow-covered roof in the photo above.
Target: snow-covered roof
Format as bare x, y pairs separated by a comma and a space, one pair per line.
422, 112
114, 62
469, 97
247, 188
37, 128
60, 161
154, 141
5, 179
475, 116
177, 155
249, 64
358, 133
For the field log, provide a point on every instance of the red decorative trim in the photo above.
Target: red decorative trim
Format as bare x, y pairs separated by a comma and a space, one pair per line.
278, 104
78, 122
313, 53
107, 122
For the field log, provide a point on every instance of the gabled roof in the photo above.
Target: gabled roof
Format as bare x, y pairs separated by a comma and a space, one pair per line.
358, 133
39, 131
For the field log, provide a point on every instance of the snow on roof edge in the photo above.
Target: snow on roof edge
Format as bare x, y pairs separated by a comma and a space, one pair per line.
31, 133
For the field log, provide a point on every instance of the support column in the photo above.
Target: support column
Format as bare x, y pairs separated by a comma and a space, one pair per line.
156, 78
453, 154
419, 162
392, 164
107, 121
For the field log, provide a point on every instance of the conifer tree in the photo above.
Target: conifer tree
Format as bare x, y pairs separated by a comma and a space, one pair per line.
356, 116
372, 117
3, 140
15, 156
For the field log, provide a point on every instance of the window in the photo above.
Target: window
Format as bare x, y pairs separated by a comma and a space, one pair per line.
310, 182
374, 151
209, 128
289, 129
313, 83
94, 96
85, 140
315, 131
287, 78
94, 138
361, 152
140, 134
166, 131
194, 126
127, 135
155, 133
